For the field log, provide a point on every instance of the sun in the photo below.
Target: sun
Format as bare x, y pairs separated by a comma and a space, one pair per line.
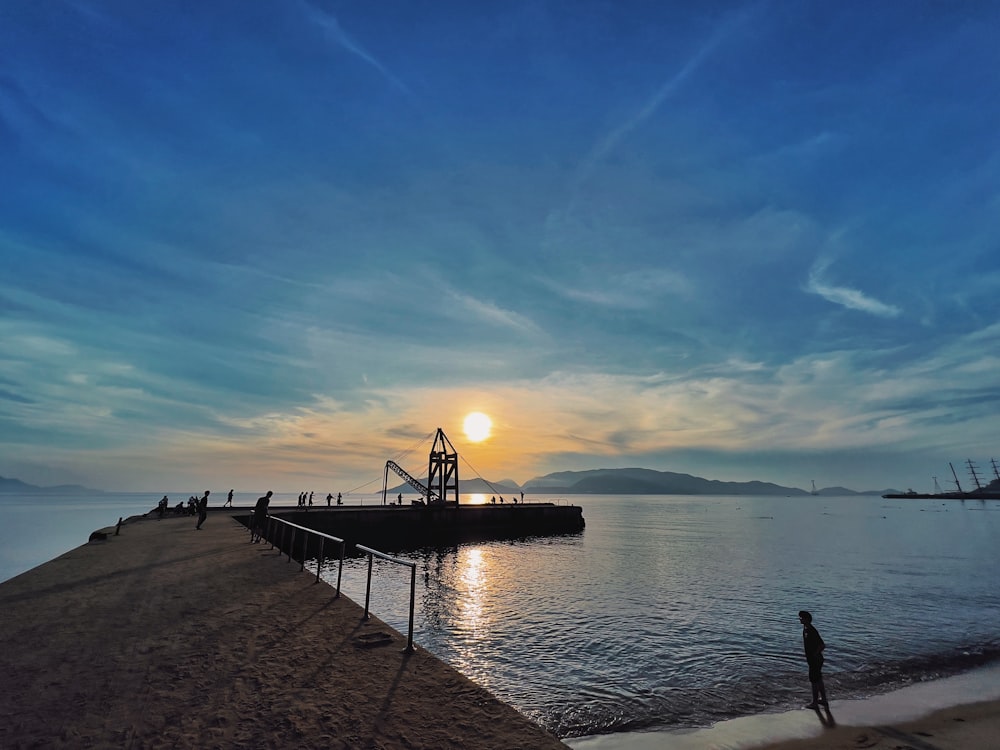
477, 426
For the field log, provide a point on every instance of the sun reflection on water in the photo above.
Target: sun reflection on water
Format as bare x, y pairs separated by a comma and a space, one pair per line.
475, 498
474, 585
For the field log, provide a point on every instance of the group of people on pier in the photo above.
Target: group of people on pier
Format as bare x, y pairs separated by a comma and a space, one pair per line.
306, 499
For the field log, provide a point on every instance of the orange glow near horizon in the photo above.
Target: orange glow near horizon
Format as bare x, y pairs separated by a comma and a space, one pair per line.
475, 498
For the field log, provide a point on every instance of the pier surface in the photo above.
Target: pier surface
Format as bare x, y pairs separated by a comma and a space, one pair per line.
165, 636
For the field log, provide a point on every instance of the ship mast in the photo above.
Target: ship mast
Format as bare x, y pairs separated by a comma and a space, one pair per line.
956, 478
972, 472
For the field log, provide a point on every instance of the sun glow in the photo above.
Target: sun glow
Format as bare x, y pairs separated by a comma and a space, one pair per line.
477, 426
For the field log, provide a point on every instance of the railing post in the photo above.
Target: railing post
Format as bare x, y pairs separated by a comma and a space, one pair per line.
292, 544
413, 591
319, 565
340, 570
368, 588
305, 546
270, 531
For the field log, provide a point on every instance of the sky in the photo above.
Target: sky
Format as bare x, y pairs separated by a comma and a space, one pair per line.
276, 244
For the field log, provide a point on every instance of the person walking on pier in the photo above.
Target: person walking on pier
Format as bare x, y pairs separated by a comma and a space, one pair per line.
813, 644
260, 516
229, 500
202, 510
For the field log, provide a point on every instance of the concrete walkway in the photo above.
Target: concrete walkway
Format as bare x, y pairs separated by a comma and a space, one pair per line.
169, 637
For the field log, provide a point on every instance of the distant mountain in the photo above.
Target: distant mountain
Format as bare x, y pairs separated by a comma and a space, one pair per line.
650, 482
23, 488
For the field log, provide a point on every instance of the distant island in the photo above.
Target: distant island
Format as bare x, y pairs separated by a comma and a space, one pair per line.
650, 482
11, 486
633, 482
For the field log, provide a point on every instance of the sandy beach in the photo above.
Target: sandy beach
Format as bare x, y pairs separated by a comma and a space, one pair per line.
166, 637
968, 727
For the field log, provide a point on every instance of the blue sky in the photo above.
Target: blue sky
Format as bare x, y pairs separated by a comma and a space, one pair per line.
274, 244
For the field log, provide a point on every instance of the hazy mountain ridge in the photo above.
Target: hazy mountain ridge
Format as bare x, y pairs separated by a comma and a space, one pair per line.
633, 481
16, 485
636, 481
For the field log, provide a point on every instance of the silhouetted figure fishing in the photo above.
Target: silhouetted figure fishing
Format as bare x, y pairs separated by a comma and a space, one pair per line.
202, 510
260, 516
813, 645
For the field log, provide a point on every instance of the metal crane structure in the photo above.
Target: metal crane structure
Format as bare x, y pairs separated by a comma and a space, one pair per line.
442, 473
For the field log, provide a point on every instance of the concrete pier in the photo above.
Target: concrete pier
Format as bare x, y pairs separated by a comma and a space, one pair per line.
165, 636
410, 527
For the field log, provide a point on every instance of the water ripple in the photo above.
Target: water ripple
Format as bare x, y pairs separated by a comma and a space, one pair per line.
683, 611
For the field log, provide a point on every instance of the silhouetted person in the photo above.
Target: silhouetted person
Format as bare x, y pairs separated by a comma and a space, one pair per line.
162, 505
339, 499
260, 516
229, 500
202, 509
813, 645
522, 498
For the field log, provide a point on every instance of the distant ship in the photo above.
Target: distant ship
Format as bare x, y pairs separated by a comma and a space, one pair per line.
990, 491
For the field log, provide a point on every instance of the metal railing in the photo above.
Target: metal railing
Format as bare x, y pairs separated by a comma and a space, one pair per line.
272, 524
373, 553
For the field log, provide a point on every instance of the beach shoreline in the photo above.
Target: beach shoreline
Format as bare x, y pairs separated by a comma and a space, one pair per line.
961, 712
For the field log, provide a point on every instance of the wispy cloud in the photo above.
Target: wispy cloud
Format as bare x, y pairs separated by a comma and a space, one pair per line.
635, 290
336, 32
610, 141
853, 299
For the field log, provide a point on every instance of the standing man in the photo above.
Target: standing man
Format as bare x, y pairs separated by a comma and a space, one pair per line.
202, 510
813, 645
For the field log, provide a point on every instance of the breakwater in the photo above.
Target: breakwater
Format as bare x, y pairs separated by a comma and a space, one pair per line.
405, 527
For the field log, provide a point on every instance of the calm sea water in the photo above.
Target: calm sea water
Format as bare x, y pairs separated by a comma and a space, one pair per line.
666, 611
682, 611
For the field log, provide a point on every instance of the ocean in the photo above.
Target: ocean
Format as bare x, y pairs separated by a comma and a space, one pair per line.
666, 611
678, 612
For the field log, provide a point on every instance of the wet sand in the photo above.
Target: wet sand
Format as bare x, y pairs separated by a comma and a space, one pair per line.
165, 636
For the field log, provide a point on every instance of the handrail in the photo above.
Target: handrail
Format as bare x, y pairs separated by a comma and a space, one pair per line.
271, 534
372, 553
